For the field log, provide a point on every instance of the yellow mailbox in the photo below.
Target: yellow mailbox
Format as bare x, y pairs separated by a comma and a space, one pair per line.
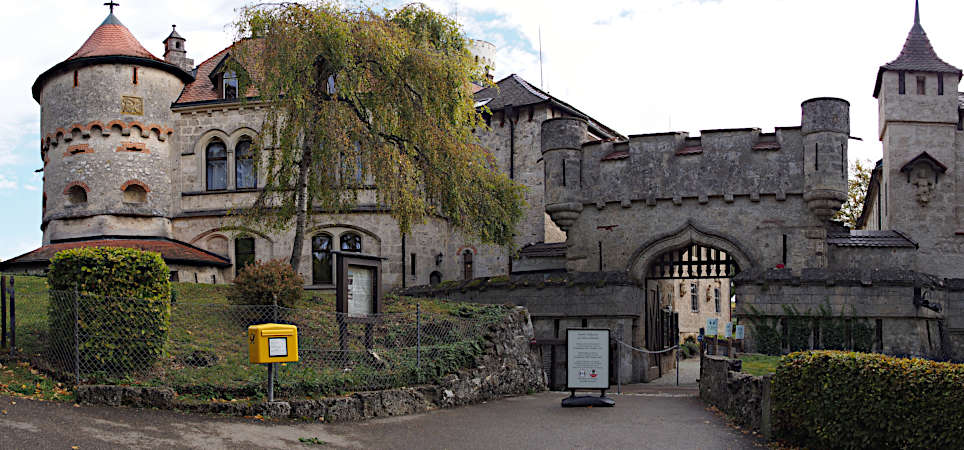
272, 343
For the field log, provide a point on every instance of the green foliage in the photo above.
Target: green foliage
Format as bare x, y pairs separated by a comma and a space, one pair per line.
799, 329
765, 332
831, 399
400, 117
123, 308
857, 185
264, 283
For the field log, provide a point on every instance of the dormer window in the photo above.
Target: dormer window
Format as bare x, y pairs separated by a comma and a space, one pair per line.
229, 85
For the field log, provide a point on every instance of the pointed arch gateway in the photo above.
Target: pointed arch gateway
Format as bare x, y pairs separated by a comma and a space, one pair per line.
649, 256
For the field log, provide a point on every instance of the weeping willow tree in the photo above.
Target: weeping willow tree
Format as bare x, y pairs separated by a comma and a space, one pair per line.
357, 97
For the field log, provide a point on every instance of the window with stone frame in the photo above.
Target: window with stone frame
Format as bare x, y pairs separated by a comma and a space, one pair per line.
694, 298
716, 298
243, 253
921, 85
321, 259
246, 171
351, 242
216, 162
229, 85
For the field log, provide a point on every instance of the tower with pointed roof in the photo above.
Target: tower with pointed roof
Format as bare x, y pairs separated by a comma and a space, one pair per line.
106, 127
175, 52
919, 126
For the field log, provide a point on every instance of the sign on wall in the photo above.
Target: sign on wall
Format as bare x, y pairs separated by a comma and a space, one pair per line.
587, 365
728, 330
712, 328
739, 332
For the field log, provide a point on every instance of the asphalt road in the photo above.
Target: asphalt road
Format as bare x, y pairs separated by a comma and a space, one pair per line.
640, 419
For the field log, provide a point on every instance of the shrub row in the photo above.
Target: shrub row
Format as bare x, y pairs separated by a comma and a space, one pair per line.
834, 399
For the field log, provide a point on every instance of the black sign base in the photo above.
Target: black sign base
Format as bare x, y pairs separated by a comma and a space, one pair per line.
583, 401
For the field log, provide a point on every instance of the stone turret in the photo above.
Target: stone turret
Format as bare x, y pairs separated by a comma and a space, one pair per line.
175, 52
562, 140
106, 124
826, 131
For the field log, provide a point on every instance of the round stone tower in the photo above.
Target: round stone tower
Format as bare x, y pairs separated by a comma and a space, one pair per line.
826, 130
106, 138
484, 53
562, 140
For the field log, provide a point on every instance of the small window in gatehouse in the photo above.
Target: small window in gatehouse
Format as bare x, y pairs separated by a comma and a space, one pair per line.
694, 298
921, 85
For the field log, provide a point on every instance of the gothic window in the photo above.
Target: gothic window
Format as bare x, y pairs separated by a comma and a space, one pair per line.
321, 259
216, 156
243, 253
694, 298
467, 264
351, 242
246, 174
135, 194
77, 195
229, 85
716, 298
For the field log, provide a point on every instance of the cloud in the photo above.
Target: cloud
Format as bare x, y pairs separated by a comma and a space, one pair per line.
31, 187
7, 184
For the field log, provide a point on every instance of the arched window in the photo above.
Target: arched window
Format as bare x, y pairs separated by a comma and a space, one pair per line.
435, 278
229, 85
216, 156
321, 264
243, 253
246, 173
76, 195
135, 194
351, 242
467, 264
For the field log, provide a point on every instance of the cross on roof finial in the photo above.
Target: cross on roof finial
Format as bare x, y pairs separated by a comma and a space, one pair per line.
111, 4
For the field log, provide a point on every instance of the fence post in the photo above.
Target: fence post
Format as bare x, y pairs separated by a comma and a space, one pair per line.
13, 318
418, 335
3, 311
76, 337
274, 310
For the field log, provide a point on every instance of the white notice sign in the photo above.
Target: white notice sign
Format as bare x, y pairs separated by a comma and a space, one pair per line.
711, 326
739, 332
728, 330
587, 353
277, 346
360, 298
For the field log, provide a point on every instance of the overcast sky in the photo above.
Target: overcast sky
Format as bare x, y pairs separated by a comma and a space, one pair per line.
637, 66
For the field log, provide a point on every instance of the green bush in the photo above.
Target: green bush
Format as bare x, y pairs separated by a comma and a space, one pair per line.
123, 307
263, 283
832, 399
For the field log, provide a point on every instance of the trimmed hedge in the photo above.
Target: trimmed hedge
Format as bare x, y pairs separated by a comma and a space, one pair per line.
124, 307
833, 399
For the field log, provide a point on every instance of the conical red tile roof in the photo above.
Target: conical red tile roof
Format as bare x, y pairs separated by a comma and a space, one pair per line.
112, 38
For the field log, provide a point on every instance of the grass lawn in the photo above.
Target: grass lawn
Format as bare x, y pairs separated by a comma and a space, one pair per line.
759, 364
206, 355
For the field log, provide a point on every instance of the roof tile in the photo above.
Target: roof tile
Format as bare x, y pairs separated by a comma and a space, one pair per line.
112, 38
170, 250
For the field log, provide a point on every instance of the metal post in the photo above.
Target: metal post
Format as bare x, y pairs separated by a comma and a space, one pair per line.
418, 335
619, 339
13, 318
3, 311
76, 337
677, 364
271, 382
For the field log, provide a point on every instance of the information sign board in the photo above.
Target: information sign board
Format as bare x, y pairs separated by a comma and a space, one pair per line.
728, 330
739, 332
711, 326
360, 298
587, 353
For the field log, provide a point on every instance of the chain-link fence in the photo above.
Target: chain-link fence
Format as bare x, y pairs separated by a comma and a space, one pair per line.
202, 348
